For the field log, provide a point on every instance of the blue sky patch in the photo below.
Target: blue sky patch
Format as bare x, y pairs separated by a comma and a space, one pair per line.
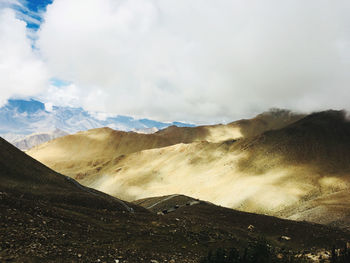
29, 11
59, 83
38, 5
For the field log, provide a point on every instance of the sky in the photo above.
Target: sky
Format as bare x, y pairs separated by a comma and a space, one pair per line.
199, 61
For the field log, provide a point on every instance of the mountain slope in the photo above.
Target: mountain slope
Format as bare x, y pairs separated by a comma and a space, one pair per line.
283, 172
320, 139
46, 217
22, 174
95, 151
270, 120
91, 151
209, 215
300, 172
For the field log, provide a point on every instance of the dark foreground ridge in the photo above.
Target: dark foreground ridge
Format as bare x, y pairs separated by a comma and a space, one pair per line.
44, 217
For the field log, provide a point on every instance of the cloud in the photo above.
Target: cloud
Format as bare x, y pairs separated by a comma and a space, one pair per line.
62, 95
200, 61
22, 73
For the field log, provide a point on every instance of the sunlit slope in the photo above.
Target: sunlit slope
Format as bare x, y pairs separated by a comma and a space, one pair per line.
91, 153
88, 152
23, 176
270, 120
300, 172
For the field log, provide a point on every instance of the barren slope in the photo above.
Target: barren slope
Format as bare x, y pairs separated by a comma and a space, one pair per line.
287, 172
45, 217
270, 120
20, 174
299, 172
86, 154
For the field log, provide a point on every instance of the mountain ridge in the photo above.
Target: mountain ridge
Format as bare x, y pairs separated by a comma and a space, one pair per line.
22, 118
45, 217
274, 172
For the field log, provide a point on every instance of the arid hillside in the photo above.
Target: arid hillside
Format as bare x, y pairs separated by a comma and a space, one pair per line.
94, 151
89, 151
26, 177
270, 120
47, 217
300, 171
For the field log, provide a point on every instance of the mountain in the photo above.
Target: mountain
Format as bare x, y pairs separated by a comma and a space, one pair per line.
96, 151
269, 120
19, 118
91, 150
48, 217
298, 171
22, 174
320, 139
32, 140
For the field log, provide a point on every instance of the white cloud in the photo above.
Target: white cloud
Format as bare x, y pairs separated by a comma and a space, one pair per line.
10, 3
63, 95
22, 73
200, 60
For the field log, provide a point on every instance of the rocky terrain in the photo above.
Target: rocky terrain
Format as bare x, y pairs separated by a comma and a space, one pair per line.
47, 217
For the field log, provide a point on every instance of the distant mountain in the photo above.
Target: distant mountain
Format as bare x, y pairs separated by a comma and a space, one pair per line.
37, 138
19, 118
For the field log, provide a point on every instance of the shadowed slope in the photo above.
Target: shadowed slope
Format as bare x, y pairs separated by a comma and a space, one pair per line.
206, 214
320, 139
270, 120
20, 174
45, 217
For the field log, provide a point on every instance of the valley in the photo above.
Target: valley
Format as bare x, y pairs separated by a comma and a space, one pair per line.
287, 172
286, 180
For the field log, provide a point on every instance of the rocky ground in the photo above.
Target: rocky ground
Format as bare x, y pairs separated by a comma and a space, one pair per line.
47, 217
40, 231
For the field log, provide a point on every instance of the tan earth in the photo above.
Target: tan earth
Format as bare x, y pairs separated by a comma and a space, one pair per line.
48, 217
278, 164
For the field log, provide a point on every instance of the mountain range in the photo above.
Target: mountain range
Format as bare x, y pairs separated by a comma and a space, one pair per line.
278, 163
174, 194
48, 217
21, 118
